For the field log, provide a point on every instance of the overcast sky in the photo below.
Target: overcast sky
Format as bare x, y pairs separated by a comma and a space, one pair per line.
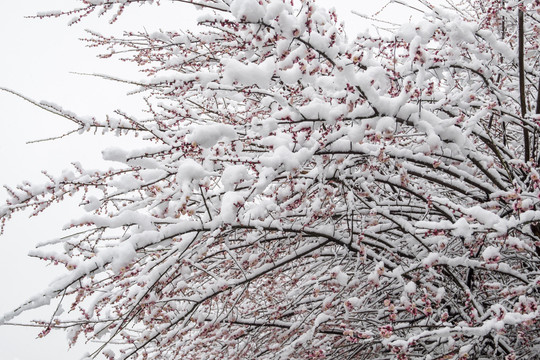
38, 58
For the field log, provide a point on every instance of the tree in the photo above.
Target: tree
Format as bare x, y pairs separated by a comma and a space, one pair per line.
307, 195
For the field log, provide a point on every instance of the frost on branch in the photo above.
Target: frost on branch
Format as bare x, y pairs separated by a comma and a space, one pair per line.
308, 195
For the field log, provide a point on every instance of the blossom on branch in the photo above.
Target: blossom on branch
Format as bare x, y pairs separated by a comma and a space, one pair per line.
308, 195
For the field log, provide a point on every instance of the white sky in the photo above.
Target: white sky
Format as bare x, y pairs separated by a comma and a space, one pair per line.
37, 58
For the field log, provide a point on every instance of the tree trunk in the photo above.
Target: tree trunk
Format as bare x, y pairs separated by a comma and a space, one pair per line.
523, 100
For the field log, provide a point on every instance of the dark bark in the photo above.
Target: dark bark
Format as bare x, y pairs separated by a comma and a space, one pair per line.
523, 100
